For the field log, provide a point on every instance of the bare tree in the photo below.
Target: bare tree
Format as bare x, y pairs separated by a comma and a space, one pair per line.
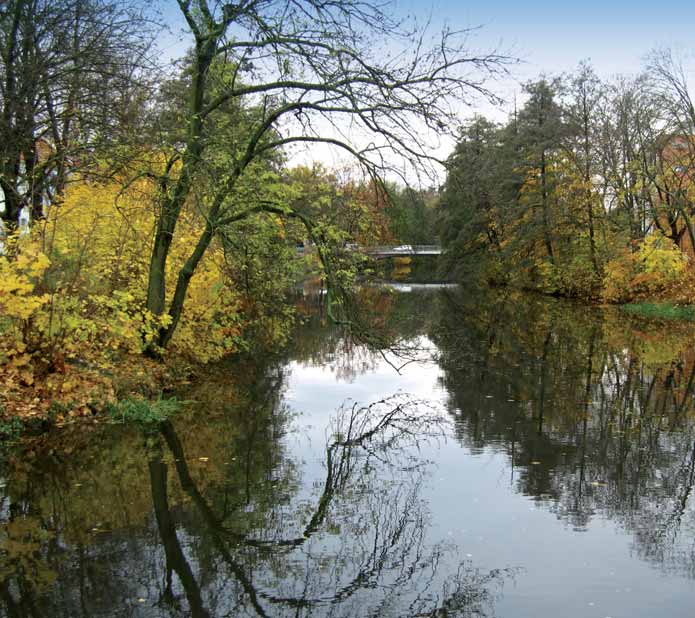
70, 71
671, 175
586, 94
628, 121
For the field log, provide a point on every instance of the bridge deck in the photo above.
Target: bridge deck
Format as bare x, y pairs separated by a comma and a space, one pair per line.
403, 251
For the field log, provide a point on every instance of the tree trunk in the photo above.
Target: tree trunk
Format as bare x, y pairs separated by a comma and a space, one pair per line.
184, 280
587, 182
172, 204
175, 557
546, 216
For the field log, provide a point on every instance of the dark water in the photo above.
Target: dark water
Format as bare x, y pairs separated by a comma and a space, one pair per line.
531, 459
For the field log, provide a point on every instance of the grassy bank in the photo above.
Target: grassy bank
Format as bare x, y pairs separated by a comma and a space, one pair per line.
661, 311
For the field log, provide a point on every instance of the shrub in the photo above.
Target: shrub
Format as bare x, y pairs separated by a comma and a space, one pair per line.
656, 265
143, 412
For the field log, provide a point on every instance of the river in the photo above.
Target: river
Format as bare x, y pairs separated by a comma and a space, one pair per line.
485, 455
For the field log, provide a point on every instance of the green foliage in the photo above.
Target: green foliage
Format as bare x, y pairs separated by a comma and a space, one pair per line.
11, 429
143, 412
563, 201
661, 311
411, 215
472, 204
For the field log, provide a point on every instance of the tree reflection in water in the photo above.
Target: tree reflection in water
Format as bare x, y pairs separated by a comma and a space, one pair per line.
360, 550
591, 415
594, 413
259, 543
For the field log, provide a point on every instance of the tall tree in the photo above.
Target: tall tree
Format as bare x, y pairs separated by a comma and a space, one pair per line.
473, 205
583, 100
308, 69
671, 176
540, 129
629, 121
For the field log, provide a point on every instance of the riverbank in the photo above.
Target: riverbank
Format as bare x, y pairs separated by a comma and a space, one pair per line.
82, 390
668, 306
661, 311
86, 389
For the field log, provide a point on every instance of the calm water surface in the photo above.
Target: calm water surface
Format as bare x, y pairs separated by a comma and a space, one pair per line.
499, 456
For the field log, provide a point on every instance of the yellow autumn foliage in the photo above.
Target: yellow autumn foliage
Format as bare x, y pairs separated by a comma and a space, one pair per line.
656, 265
18, 297
77, 288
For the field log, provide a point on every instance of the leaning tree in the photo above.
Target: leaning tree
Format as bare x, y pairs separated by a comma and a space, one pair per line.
306, 71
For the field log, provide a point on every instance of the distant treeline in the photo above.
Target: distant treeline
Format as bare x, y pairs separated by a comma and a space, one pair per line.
586, 191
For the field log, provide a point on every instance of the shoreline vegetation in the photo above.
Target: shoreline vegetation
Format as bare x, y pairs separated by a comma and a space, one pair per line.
136, 390
586, 191
661, 311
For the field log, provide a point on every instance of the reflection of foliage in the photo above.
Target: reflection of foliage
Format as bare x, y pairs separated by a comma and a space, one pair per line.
143, 412
591, 421
21, 542
238, 532
594, 414
385, 326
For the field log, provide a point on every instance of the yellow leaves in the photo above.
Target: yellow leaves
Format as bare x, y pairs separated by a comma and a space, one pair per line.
163, 321
209, 326
19, 366
21, 360
32, 263
67, 386
618, 274
662, 257
657, 264
80, 296
18, 280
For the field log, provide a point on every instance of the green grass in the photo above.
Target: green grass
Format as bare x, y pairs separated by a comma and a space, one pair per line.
661, 311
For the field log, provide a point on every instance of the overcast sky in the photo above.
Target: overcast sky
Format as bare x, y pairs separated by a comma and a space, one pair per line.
549, 37
554, 36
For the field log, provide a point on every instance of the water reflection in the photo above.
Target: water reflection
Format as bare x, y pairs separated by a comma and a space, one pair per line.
236, 532
593, 415
257, 503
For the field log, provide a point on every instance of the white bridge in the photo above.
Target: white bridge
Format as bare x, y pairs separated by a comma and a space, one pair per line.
402, 251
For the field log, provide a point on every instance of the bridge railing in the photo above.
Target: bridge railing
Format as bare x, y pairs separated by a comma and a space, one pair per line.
404, 249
